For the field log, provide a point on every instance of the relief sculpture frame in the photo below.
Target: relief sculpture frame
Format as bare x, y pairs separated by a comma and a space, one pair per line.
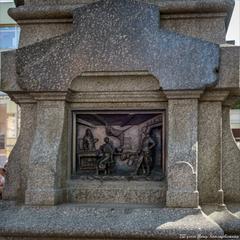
121, 144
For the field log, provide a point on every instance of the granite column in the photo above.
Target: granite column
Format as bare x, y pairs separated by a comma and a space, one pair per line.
45, 166
182, 161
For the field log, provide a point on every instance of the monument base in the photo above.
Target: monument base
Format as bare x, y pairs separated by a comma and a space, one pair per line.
104, 221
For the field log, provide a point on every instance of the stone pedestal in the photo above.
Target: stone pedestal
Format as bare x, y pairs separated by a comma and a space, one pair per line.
119, 58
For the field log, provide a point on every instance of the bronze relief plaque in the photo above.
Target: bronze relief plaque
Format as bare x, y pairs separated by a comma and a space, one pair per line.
117, 145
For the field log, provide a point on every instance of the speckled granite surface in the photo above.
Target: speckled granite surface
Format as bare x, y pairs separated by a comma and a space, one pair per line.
118, 35
173, 44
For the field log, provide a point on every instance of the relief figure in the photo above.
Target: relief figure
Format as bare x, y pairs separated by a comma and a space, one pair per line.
106, 162
145, 155
89, 141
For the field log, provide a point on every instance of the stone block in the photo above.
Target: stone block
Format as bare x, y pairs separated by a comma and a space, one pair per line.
229, 71
118, 192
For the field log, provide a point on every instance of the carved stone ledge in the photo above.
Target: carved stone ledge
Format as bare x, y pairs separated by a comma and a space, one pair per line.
49, 96
192, 15
106, 97
35, 11
183, 94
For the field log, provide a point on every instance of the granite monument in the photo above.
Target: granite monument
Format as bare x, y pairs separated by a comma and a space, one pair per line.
125, 129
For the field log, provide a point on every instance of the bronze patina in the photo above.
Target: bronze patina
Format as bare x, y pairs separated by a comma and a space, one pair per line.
119, 144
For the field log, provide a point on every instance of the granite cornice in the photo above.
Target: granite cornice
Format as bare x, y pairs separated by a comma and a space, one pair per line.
194, 15
64, 9
21, 98
33, 97
121, 96
42, 12
49, 96
192, 94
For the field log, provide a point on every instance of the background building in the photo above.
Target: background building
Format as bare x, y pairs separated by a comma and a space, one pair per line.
9, 111
234, 35
235, 124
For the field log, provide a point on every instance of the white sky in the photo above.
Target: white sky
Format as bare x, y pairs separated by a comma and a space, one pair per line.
234, 27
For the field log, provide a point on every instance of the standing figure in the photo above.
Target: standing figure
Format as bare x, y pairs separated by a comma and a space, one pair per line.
89, 141
145, 158
106, 161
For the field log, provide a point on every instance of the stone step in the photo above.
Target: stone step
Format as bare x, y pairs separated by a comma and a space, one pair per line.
103, 221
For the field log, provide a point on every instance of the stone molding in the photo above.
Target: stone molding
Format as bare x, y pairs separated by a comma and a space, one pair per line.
22, 98
148, 96
192, 15
183, 94
64, 11
49, 96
